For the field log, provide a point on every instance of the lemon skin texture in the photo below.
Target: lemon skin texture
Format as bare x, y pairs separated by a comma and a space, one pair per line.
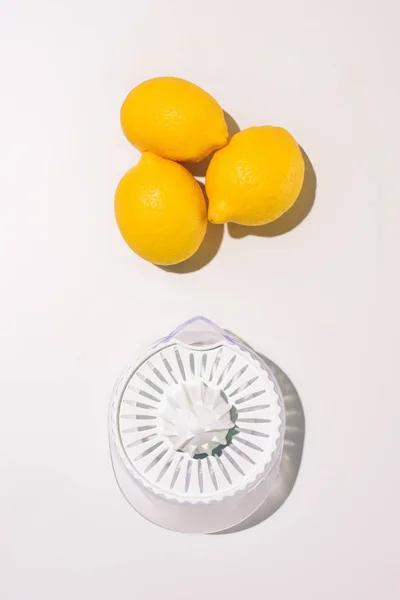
173, 118
160, 210
256, 178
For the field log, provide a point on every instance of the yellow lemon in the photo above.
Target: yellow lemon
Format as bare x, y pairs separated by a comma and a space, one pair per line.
256, 178
173, 118
160, 210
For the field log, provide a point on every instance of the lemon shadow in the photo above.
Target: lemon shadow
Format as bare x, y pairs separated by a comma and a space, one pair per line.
207, 251
199, 169
293, 217
231, 124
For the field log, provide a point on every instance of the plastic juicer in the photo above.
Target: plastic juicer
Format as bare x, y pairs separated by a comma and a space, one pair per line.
196, 430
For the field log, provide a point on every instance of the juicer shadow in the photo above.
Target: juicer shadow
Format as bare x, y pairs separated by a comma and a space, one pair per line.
291, 456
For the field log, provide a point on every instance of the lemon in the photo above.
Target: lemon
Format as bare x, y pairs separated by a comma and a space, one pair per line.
256, 178
160, 210
173, 118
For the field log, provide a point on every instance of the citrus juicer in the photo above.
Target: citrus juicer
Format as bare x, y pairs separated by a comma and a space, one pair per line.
196, 430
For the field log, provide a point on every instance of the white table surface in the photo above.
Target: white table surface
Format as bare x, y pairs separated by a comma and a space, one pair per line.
320, 299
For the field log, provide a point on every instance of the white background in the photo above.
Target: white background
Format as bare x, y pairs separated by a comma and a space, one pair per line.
76, 304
